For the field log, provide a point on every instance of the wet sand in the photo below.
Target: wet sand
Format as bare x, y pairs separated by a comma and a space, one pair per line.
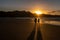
18, 29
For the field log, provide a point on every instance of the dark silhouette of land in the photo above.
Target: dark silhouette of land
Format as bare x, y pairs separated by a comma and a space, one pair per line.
23, 14
16, 14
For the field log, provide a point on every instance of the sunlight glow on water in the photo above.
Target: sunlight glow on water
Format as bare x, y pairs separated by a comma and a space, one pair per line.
53, 22
42, 21
30, 19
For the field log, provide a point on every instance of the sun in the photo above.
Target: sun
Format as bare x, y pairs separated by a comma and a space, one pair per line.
38, 12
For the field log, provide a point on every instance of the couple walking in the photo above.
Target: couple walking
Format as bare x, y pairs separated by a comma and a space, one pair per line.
37, 20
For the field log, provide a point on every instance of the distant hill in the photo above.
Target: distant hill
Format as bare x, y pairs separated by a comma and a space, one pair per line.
56, 12
23, 14
49, 16
16, 14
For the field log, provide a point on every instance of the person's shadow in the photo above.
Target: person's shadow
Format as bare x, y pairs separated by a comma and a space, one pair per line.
39, 35
32, 35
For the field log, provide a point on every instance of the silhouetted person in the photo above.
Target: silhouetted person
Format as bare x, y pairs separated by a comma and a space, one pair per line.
35, 20
38, 20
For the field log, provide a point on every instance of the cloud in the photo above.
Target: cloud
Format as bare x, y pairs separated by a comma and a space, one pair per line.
57, 12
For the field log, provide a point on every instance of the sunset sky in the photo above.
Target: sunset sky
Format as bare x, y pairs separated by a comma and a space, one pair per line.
30, 5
